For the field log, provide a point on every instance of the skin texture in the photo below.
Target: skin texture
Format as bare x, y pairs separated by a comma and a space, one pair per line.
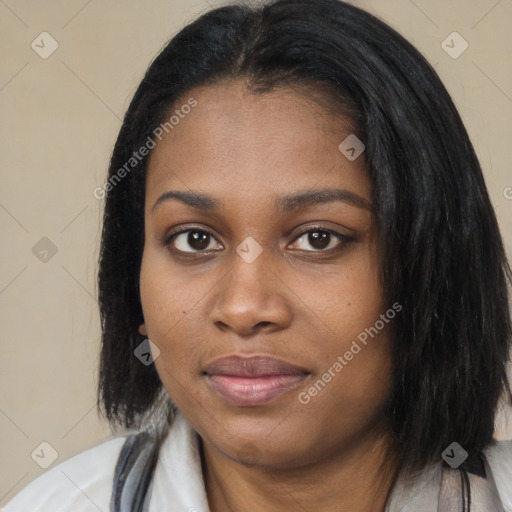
293, 302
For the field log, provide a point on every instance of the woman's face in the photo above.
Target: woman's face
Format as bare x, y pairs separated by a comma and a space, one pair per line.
274, 268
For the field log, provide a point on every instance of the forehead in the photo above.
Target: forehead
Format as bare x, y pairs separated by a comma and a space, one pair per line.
236, 142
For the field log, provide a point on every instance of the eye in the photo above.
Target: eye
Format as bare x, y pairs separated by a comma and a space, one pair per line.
193, 240
321, 239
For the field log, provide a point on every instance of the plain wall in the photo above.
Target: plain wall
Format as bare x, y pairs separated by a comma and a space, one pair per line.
60, 118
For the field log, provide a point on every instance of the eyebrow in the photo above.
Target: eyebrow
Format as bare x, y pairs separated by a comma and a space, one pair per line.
301, 200
193, 199
285, 204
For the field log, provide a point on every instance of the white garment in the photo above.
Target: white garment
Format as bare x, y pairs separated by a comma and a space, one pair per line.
84, 482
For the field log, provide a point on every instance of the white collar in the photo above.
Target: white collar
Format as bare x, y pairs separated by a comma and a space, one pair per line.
178, 484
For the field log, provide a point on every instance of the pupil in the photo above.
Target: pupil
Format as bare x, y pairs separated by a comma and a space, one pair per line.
319, 239
198, 240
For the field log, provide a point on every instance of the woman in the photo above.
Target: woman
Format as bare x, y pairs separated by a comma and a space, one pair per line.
303, 288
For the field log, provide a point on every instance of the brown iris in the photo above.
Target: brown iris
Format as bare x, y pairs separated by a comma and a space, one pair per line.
319, 239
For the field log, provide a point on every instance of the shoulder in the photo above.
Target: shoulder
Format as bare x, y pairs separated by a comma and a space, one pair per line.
83, 483
499, 456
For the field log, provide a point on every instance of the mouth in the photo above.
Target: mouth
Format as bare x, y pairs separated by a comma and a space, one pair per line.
246, 381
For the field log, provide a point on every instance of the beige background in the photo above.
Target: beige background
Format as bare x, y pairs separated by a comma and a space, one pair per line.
60, 117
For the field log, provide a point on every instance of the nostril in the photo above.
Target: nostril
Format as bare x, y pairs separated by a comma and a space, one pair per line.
261, 324
221, 325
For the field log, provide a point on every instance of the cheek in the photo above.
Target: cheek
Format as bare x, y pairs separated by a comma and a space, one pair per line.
168, 292
168, 307
347, 298
174, 329
354, 363
359, 304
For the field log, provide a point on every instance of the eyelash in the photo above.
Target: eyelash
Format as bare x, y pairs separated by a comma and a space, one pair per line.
342, 239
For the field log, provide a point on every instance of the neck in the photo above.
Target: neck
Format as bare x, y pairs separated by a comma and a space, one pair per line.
357, 479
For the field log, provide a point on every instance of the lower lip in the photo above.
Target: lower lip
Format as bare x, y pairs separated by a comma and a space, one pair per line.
254, 390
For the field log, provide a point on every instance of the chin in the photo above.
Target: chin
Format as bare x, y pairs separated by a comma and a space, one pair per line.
259, 442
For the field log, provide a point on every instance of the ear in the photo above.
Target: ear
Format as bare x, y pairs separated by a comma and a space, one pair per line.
143, 330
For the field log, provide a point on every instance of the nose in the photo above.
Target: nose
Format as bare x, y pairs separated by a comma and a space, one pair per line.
251, 299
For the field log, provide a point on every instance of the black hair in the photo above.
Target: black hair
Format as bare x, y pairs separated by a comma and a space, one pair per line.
442, 257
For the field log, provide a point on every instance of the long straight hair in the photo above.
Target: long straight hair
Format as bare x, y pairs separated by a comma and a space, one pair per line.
440, 249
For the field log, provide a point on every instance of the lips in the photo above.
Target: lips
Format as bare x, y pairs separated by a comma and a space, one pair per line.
256, 366
246, 381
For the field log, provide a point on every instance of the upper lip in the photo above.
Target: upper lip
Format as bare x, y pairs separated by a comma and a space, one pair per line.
255, 366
